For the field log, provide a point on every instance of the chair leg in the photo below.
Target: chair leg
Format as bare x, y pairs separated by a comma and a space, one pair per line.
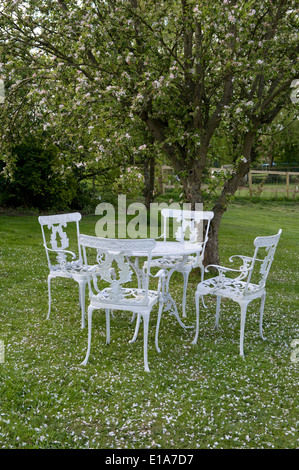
133, 317
139, 283
82, 301
49, 296
202, 275
243, 319
197, 317
90, 310
186, 276
217, 311
145, 341
158, 326
261, 314
107, 311
136, 328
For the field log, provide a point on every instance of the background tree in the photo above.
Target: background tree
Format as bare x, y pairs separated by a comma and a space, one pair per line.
185, 69
280, 145
36, 180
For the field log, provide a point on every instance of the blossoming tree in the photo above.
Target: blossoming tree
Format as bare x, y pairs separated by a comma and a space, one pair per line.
182, 70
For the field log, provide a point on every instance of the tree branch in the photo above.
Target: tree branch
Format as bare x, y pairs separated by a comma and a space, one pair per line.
216, 117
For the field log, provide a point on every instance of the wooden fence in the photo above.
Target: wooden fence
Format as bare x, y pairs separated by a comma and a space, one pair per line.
167, 171
266, 173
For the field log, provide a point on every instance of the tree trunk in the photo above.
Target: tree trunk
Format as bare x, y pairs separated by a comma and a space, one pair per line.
229, 189
149, 180
192, 188
212, 249
191, 176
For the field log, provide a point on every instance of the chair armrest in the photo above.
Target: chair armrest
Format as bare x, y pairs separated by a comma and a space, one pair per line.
161, 273
160, 236
242, 273
61, 251
93, 272
245, 259
226, 269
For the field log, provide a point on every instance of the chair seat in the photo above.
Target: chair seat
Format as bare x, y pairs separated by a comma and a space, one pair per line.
227, 287
72, 268
127, 299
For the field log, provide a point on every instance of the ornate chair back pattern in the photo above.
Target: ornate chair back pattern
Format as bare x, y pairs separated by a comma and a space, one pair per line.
59, 235
260, 266
114, 268
191, 226
59, 240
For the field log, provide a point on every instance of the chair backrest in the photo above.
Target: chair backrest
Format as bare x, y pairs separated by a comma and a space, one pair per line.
192, 226
114, 265
56, 239
263, 257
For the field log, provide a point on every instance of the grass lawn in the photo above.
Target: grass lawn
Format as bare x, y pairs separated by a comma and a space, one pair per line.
202, 396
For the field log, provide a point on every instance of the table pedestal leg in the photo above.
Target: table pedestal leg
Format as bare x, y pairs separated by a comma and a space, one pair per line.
168, 302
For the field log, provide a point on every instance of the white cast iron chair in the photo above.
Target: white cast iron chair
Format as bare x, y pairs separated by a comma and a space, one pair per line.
241, 289
114, 268
192, 226
63, 262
